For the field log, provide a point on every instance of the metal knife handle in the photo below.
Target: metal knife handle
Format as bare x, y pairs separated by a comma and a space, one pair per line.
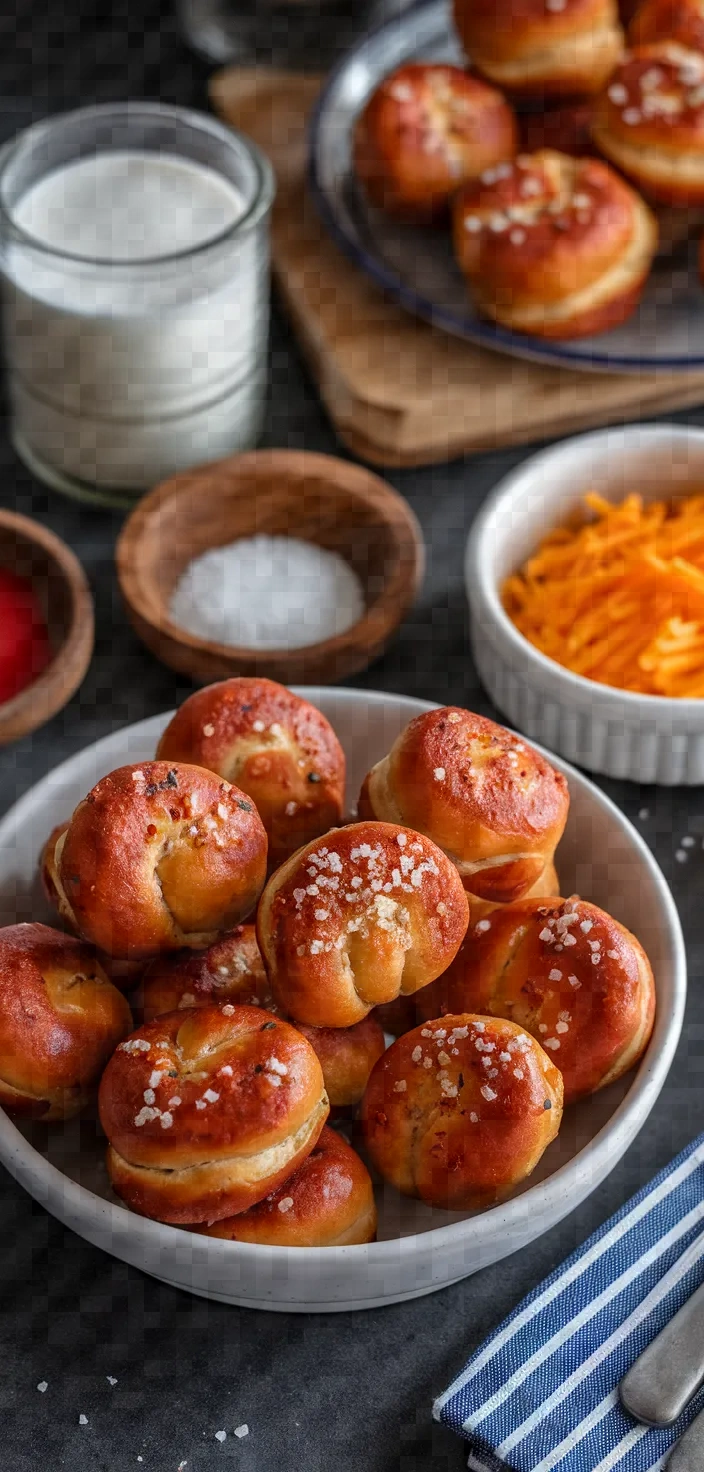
669, 1372
688, 1453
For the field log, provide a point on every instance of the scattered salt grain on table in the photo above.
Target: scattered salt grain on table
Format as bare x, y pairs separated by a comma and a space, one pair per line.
220, 1435
242, 1430
83, 1420
268, 593
43, 1385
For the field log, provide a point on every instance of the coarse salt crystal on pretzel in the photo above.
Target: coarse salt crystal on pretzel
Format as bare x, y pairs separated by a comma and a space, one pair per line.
561, 247
460, 1111
425, 130
328, 1202
499, 811
238, 1105
357, 918
161, 856
569, 974
649, 122
275, 746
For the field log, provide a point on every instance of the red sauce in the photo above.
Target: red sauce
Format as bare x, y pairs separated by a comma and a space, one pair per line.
24, 638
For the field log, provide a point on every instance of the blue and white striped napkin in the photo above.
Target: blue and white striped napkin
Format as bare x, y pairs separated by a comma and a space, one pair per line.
541, 1395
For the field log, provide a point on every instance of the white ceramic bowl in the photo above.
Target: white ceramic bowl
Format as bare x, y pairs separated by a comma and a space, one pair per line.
645, 738
420, 1249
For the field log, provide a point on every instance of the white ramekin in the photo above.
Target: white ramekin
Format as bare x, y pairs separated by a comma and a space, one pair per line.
645, 738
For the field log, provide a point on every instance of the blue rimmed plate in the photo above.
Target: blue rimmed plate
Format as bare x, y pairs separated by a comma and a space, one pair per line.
416, 265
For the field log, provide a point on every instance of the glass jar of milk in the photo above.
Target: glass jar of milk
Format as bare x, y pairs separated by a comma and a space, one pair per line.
134, 252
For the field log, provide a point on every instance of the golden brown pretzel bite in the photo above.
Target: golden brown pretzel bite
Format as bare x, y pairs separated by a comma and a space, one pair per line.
492, 803
460, 1111
558, 247
426, 130
669, 20
328, 1202
123, 974
547, 884
357, 917
347, 1056
51, 879
407, 1012
548, 48
161, 856
60, 1020
232, 970
272, 744
208, 1111
569, 974
650, 122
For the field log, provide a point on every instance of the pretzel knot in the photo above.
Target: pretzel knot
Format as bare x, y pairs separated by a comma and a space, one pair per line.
357, 918
554, 245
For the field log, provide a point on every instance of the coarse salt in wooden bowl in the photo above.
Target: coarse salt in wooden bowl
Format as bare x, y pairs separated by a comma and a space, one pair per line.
28, 549
316, 498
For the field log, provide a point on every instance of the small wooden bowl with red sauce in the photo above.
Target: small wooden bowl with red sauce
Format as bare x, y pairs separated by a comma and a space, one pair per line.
33, 555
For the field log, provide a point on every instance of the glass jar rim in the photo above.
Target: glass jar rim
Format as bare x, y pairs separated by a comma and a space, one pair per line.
32, 136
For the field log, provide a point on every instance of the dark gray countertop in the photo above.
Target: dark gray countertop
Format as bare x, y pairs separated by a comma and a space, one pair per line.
336, 1392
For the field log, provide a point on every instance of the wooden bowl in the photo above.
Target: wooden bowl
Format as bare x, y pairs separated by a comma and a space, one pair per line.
27, 548
276, 492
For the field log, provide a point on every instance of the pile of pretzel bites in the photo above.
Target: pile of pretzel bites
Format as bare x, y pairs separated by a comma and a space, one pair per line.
566, 157
270, 947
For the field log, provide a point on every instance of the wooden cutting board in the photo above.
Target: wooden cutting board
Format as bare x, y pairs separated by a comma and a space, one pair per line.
398, 391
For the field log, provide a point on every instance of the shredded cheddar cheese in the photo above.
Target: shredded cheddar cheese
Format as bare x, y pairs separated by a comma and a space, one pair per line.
620, 599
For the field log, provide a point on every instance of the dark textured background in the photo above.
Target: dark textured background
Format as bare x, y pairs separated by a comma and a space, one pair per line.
322, 1392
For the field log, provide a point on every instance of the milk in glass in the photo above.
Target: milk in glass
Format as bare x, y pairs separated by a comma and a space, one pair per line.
135, 318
